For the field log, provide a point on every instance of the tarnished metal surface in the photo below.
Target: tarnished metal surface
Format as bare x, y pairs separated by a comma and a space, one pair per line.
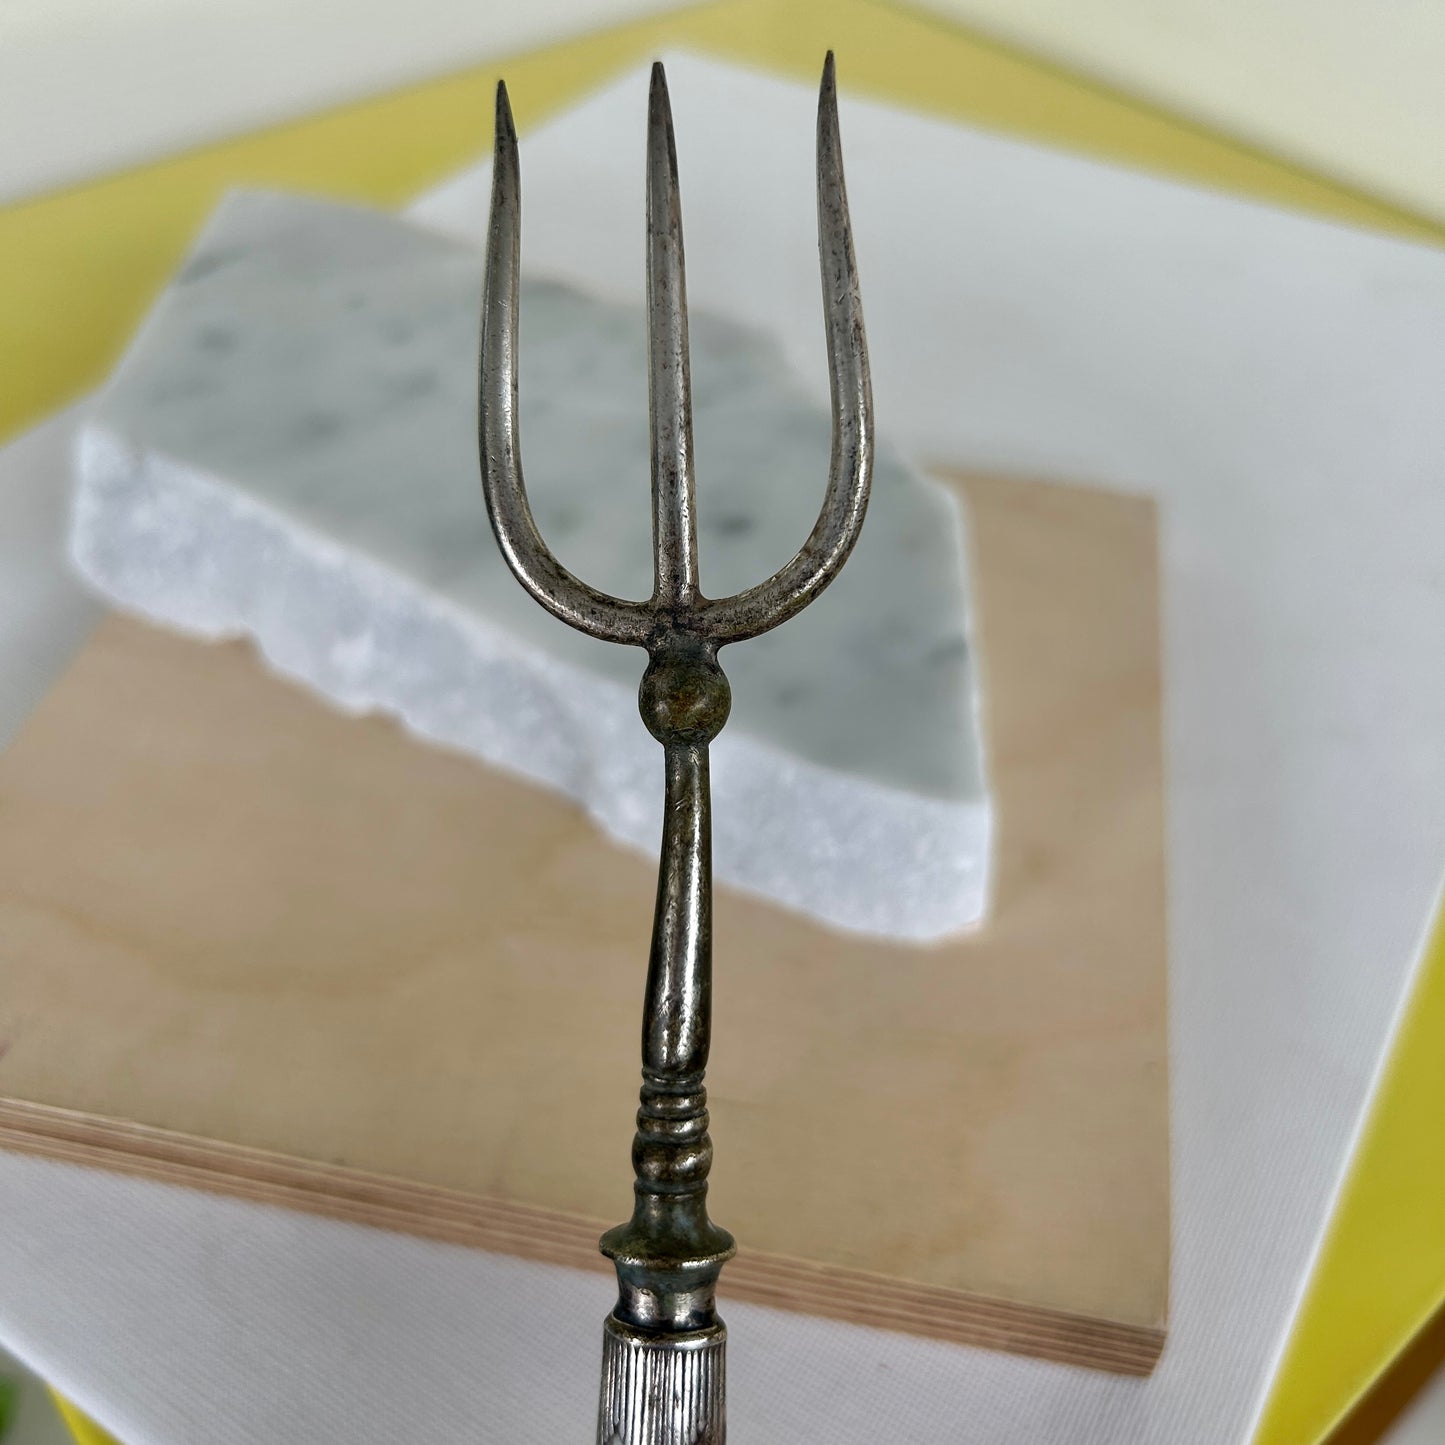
664, 1344
662, 1389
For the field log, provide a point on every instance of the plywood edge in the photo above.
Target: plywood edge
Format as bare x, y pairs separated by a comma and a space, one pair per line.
553, 1237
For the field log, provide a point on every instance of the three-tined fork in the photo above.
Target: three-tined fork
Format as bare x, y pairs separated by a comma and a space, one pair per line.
663, 1344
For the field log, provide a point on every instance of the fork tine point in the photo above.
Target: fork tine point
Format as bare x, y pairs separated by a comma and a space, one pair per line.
506, 130
830, 142
661, 147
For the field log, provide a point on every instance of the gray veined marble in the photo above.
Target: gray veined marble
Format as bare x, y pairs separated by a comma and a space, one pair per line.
289, 451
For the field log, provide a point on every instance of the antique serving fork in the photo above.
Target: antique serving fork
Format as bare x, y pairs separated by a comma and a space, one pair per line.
663, 1343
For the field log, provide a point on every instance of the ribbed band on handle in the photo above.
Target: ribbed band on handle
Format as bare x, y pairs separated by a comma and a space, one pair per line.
662, 1389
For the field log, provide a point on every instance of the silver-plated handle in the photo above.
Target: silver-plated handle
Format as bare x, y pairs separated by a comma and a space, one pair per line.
662, 1389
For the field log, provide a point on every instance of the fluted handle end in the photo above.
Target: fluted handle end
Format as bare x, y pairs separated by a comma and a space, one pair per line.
662, 1389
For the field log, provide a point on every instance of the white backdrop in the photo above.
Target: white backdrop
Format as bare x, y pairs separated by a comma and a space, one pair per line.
90, 86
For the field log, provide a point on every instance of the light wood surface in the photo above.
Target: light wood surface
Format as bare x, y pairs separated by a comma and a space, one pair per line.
253, 945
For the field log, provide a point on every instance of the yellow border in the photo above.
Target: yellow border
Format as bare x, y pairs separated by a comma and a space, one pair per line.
77, 270
81, 1426
1380, 1275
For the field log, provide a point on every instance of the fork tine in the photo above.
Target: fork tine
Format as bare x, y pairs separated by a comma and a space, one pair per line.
850, 471
669, 385
562, 594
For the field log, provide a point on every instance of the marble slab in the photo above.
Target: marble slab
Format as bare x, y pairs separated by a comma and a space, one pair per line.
288, 452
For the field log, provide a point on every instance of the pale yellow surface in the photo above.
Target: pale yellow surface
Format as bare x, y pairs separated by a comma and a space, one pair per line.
1353, 88
77, 271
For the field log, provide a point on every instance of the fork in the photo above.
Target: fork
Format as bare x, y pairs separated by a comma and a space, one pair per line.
663, 1357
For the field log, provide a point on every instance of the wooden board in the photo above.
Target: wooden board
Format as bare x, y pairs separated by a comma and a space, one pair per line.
253, 945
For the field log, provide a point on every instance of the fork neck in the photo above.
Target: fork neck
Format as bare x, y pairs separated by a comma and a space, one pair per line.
669, 1254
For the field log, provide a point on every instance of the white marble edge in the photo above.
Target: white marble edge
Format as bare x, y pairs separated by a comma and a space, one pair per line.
849, 782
